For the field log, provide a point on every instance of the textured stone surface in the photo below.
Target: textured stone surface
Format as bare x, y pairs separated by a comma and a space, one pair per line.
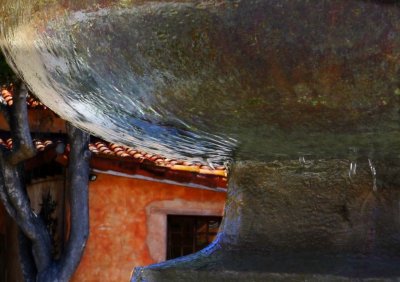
286, 220
197, 78
255, 79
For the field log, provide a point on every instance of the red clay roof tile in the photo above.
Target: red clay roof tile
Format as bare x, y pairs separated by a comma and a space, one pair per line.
162, 167
105, 149
31, 101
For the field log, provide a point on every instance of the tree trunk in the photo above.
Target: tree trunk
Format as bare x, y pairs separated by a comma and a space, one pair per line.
36, 259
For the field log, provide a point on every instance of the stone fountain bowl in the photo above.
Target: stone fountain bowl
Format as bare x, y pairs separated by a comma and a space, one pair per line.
216, 79
259, 82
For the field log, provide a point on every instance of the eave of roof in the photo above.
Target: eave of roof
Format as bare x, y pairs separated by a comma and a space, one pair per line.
109, 156
49, 150
7, 98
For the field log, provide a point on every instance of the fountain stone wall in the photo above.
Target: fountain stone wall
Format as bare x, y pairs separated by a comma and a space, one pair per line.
291, 221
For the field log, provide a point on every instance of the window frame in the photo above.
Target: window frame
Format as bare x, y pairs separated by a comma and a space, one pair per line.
189, 227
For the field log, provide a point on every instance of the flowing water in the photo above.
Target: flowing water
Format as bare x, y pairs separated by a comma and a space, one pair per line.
303, 95
216, 80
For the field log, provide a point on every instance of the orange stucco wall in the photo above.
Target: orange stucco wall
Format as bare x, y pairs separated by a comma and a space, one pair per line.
119, 223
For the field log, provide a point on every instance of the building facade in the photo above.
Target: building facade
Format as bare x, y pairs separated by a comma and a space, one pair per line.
134, 199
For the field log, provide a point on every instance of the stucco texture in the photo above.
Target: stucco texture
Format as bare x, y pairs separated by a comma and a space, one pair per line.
122, 235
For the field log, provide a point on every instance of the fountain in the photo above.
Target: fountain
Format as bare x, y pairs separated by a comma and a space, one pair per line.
302, 97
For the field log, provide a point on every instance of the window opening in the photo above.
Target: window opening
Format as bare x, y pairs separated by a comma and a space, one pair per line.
188, 234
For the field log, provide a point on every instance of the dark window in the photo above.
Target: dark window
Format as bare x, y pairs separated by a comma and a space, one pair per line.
189, 234
52, 168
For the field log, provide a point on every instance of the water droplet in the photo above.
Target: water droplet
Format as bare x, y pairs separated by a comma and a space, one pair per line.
373, 172
352, 169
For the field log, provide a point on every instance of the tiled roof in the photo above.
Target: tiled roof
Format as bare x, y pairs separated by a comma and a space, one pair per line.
6, 98
39, 144
112, 153
109, 149
111, 157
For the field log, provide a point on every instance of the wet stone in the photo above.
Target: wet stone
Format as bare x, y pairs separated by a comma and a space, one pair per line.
284, 221
250, 81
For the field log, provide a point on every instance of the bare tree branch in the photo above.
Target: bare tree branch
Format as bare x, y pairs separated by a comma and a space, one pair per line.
4, 197
25, 247
27, 260
35, 242
78, 177
23, 147
12, 190
30, 224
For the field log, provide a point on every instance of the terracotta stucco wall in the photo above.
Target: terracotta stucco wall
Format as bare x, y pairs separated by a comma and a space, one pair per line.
127, 226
